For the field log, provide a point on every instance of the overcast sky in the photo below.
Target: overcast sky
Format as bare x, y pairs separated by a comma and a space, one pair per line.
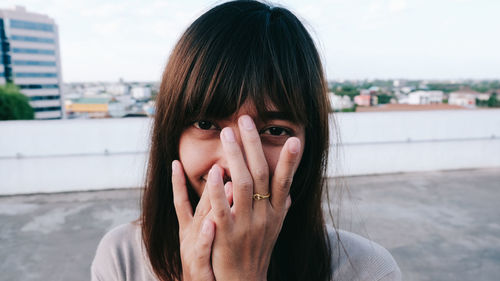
416, 39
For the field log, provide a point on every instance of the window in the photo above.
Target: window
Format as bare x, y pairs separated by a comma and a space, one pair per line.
43, 86
34, 75
32, 39
33, 51
31, 25
44, 98
35, 63
52, 108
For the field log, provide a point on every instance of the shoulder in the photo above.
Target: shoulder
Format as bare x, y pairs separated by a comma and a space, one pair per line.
357, 258
123, 234
120, 255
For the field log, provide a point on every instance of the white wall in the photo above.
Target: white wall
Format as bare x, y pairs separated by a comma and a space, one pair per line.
66, 155
391, 142
69, 155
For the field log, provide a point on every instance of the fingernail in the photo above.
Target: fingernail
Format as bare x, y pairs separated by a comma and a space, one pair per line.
175, 167
205, 229
228, 134
293, 146
247, 122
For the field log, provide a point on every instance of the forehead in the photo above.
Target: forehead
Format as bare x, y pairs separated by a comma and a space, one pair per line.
267, 111
261, 105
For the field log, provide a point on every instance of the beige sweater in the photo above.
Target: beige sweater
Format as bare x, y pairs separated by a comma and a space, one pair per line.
121, 256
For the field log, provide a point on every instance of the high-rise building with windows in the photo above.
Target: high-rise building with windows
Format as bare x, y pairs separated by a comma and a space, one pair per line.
29, 58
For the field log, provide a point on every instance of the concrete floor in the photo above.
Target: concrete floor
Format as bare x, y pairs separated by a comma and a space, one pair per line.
437, 225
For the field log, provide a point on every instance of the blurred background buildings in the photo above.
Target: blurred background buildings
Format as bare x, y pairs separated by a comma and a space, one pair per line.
30, 59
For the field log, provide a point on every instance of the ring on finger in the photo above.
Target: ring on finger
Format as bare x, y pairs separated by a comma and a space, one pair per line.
258, 196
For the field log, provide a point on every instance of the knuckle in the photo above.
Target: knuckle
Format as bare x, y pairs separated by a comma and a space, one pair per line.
285, 182
220, 214
201, 259
202, 244
244, 182
261, 174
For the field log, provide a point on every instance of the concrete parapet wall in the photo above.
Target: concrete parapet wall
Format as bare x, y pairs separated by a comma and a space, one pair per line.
392, 142
70, 155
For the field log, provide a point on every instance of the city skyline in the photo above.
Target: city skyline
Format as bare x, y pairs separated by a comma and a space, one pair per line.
370, 39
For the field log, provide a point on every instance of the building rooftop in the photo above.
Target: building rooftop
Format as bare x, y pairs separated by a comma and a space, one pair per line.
439, 225
94, 100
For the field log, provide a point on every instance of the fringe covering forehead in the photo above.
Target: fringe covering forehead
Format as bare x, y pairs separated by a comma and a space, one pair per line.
256, 58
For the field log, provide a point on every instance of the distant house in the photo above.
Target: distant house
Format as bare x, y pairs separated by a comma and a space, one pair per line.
402, 98
374, 90
94, 107
406, 90
338, 103
484, 96
425, 97
366, 100
464, 97
118, 89
362, 100
364, 92
141, 93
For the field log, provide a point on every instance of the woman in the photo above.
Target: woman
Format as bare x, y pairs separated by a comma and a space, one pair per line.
238, 153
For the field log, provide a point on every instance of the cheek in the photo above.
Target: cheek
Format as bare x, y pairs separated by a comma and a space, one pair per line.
272, 154
190, 154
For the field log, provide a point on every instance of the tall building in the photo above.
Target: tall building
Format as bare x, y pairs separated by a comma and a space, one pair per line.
30, 59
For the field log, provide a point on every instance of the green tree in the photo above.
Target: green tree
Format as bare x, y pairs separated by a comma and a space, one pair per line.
384, 98
14, 105
446, 88
493, 101
349, 91
351, 109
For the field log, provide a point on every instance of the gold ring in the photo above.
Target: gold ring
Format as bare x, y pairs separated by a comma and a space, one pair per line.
257, 196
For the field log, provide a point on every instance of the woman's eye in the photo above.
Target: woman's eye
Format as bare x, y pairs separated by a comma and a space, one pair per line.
276, 131
204, 125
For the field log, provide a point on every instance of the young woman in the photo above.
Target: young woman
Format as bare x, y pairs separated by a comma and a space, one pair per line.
238, 153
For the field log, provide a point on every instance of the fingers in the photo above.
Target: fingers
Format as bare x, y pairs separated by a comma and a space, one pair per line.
203, 207
283, 174
240, 176
218, 200
256, 160
181, 200
204, 245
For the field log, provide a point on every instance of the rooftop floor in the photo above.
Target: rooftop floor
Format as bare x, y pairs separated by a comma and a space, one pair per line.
437, 225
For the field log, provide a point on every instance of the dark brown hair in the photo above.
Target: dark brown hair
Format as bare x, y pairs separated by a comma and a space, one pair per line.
238, 51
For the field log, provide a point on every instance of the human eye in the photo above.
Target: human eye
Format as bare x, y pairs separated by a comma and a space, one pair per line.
204, 125
276, 131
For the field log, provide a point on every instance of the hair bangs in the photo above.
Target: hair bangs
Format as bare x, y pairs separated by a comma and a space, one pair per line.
249, 58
